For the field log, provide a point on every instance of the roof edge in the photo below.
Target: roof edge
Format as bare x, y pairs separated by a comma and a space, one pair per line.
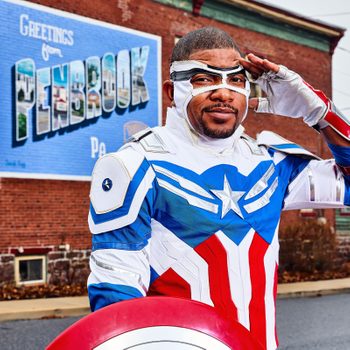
258, 16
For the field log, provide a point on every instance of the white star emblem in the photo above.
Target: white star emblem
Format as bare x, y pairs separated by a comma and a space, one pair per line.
229, 199
106, 183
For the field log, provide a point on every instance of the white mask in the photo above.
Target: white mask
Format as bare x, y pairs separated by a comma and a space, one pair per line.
181, 73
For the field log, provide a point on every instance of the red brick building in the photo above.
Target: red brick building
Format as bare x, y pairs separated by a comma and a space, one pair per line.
46, 220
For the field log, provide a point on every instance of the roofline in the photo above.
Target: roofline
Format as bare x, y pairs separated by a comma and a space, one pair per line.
290, 17
258, 16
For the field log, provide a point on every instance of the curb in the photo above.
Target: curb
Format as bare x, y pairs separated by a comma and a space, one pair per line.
43, 308
313, 289
79, 306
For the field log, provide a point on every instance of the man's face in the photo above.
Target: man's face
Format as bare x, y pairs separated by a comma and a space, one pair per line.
217, 113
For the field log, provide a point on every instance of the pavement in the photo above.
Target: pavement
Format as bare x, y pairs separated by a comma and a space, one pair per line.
79, 306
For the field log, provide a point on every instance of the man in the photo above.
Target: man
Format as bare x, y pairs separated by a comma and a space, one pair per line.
192, 209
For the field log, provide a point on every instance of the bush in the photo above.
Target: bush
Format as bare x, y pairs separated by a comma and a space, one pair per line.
308, 252
13, 292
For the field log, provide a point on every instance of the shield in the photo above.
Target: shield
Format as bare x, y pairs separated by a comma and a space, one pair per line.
155, 323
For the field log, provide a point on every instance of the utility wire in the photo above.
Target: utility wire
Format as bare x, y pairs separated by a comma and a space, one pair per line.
341, 92
331, 14
343, 49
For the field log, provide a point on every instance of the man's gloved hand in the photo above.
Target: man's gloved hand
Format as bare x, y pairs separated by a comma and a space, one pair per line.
287, 93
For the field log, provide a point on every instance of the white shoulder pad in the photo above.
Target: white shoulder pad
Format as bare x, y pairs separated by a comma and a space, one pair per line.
150, 140
111, 178
277, 142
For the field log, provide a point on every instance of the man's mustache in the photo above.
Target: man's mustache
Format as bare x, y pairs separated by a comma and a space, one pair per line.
212, 108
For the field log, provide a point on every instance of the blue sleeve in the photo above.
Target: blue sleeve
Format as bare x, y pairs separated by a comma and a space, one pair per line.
119, 259
104, 294
341, 154
342, 157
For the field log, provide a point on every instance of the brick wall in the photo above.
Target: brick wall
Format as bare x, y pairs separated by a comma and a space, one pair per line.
41, 213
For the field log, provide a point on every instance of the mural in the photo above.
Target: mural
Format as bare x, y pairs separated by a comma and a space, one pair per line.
73, 88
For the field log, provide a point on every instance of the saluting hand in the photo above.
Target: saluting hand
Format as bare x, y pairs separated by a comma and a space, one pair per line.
256, 66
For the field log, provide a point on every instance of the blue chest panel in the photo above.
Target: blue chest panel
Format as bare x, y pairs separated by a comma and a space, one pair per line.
236, 203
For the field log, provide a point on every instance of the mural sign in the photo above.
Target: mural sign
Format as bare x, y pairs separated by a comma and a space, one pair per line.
73, 88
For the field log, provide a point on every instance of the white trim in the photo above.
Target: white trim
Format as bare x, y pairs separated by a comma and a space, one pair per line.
115, 266
183, 182
134, 209
244, 268
263, 200
234, 276
239, 273
192, 200
163, 337
166, 248
169, 251
81, 18
44, 176
195, 271
261, 184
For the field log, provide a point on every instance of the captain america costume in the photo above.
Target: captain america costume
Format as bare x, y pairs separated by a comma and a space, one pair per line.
176, 214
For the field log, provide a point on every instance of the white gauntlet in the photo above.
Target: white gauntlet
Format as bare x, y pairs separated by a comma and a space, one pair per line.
289, 95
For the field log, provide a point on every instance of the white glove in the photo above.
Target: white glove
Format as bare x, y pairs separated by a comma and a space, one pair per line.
288, 95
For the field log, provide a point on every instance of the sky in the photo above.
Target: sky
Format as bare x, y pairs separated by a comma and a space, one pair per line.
336, 12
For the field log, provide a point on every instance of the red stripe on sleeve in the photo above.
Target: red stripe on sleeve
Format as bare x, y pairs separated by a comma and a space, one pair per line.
319, 93
338, 124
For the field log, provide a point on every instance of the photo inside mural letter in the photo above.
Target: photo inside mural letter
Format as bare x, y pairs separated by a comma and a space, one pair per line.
43, 80
123, 80
93, 78
71, 96
138, 63
60, 96
25, 92
76, 90
109, 82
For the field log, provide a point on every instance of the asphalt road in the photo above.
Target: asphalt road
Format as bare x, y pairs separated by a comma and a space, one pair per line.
321, 323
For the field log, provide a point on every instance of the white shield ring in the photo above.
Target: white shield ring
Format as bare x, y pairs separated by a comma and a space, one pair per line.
155, 323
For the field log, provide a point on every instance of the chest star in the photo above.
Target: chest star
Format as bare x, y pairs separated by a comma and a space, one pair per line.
229, 199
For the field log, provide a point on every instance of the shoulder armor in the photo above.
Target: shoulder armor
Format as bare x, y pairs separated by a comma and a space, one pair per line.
150, 141
138, 136
253, 145
277, 142
111, 177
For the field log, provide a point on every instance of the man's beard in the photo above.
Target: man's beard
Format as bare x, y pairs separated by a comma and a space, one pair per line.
217, 134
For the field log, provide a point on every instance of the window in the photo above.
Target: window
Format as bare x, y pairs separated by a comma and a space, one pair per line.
344, 212
342, 219
30, 269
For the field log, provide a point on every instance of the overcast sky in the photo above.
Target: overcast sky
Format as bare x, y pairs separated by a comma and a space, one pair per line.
336, 12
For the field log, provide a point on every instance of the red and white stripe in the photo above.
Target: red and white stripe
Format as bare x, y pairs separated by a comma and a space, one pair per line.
239, 280
340, 125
